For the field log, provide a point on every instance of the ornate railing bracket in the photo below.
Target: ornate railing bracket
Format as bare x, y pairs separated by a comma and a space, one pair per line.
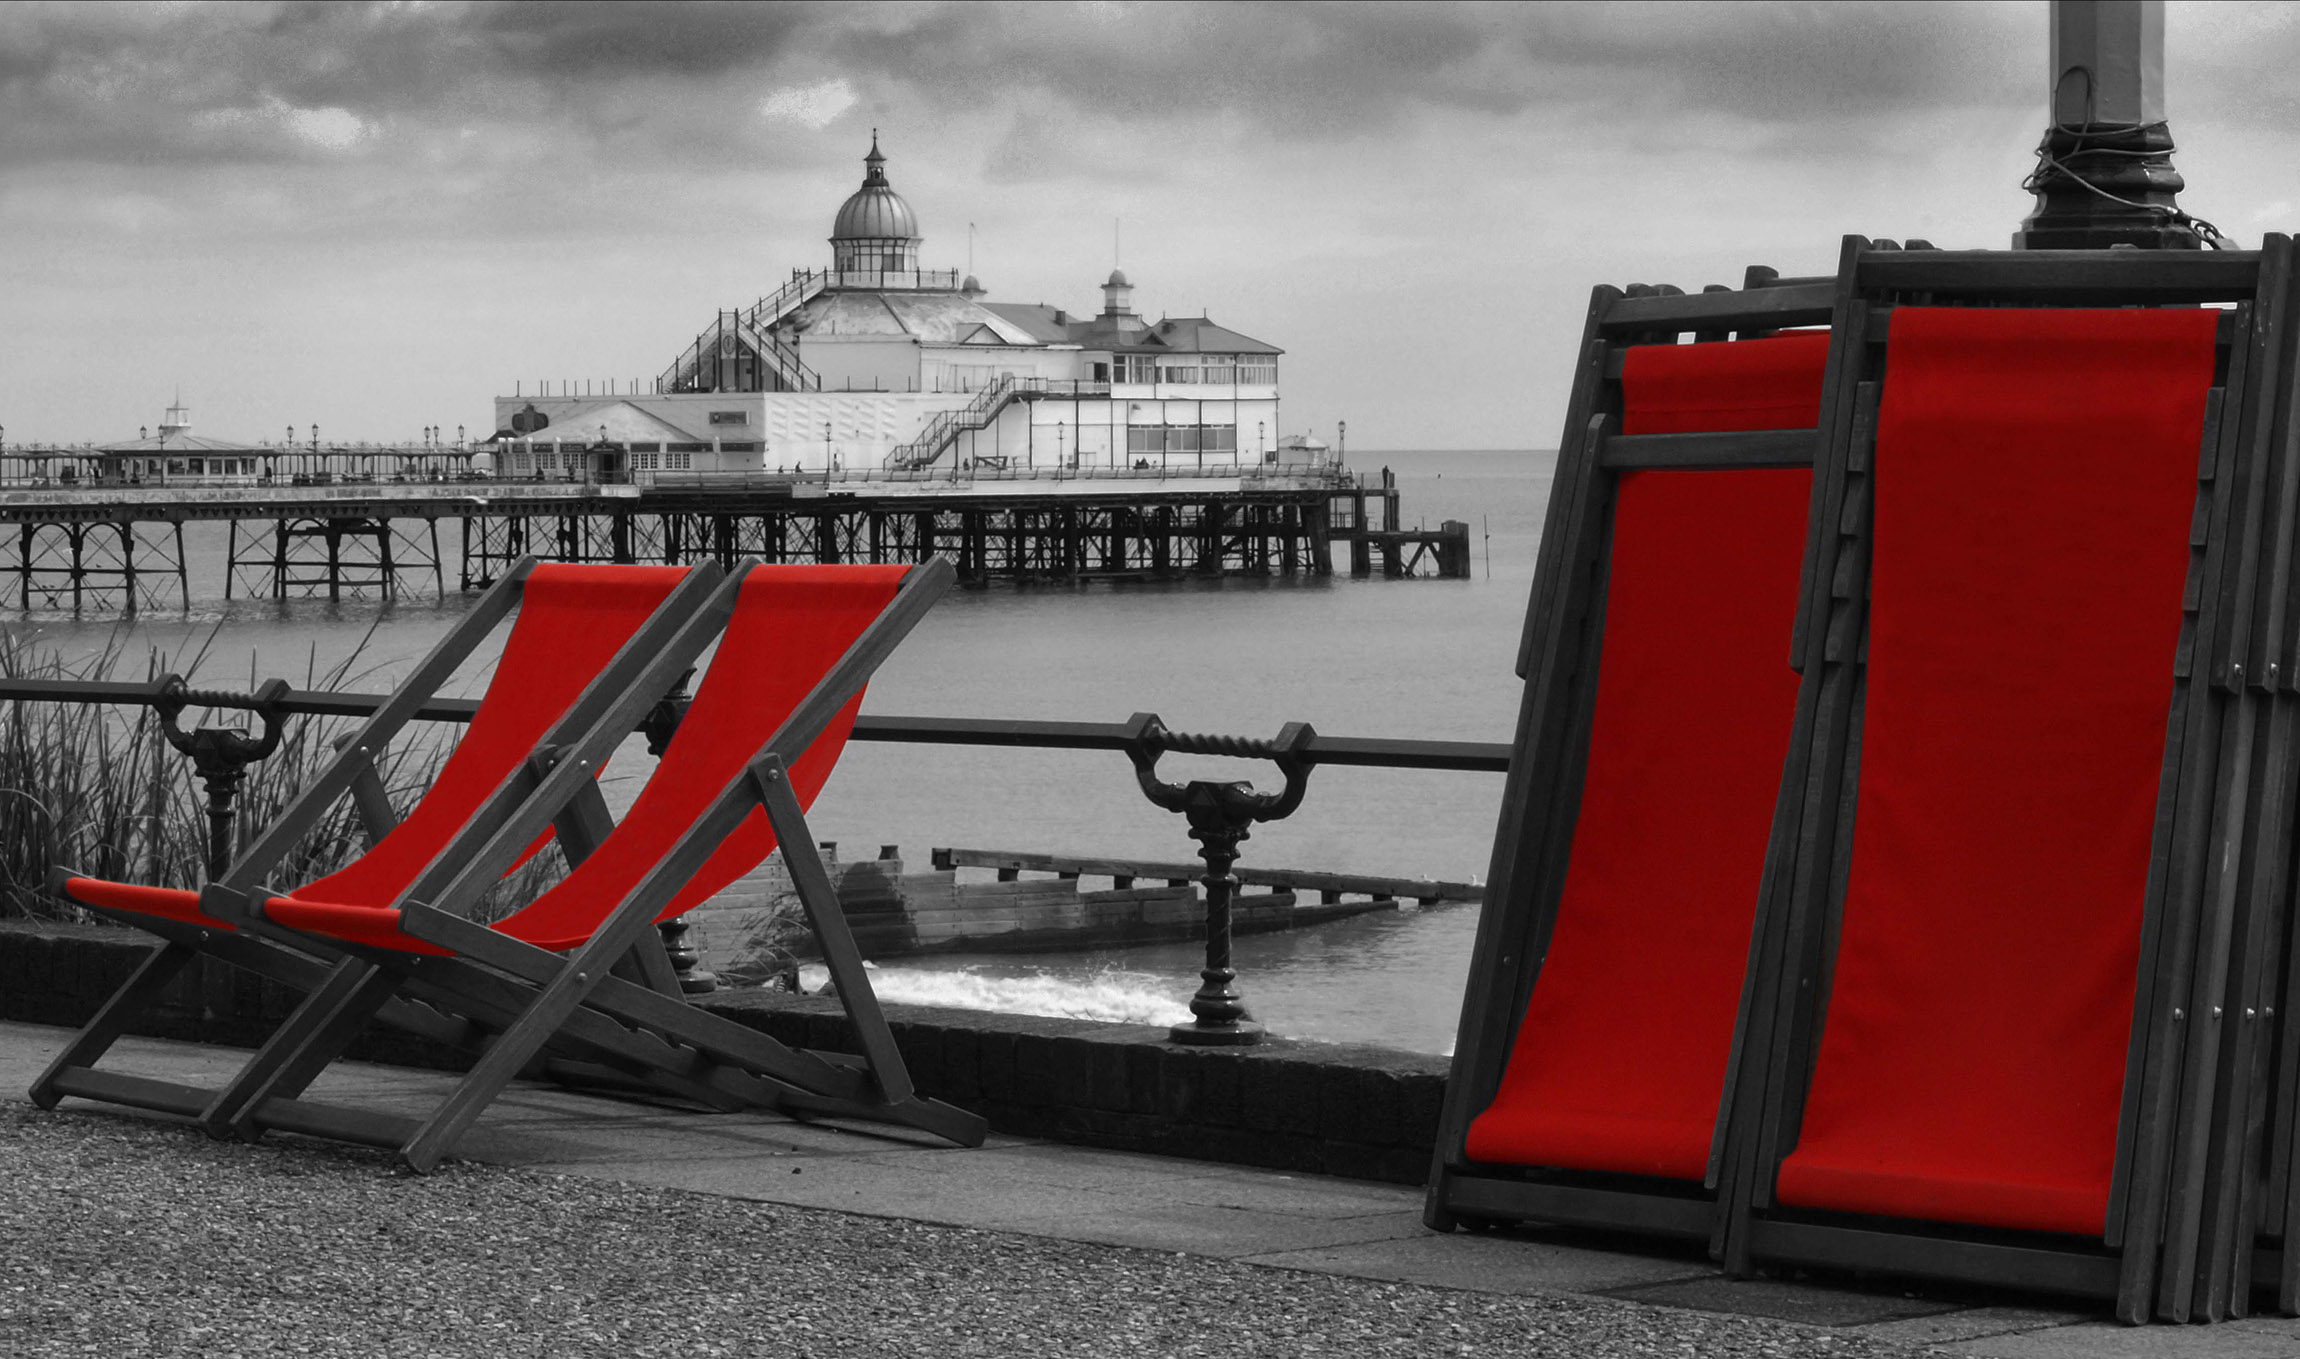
1220, 816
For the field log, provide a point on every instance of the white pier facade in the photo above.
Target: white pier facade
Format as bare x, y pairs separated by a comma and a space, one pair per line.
877, 365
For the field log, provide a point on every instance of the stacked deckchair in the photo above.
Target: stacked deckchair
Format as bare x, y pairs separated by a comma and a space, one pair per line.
2005, 973
1599, 1017
575, 979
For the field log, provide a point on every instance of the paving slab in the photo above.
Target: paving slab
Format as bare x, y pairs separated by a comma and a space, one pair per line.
1199, 1229
1812, 1304
1975, 1323
1489, 1263
2254, 1338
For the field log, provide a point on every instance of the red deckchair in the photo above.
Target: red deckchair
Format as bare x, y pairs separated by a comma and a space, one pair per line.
754, 746
580, 634
1620, 1058
2036, 478
1599, 1022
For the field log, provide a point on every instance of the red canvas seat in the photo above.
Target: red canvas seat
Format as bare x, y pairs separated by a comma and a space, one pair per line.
571, 620
790, 624
1620, 1057
2035, 474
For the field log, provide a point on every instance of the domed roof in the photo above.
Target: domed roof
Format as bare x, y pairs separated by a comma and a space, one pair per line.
1117, 279
875, 211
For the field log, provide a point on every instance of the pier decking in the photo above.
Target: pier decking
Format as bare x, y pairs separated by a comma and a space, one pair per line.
379, 533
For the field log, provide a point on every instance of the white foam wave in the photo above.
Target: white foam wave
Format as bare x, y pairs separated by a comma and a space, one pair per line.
1112, 997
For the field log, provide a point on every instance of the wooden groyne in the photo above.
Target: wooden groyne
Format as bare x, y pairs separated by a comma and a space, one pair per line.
1011, 902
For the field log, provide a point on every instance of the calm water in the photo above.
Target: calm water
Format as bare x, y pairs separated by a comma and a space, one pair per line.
1356, 658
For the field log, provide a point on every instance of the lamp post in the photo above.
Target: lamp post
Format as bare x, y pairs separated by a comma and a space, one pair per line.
2104, 173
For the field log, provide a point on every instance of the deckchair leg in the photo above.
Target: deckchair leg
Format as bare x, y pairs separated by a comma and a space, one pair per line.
497, 1068
112, 1020
844, 959
300, 1048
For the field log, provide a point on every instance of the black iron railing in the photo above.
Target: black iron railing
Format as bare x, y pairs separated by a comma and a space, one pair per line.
1220, 814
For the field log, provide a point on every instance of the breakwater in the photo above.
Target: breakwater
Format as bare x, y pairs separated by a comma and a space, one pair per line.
745, 935
1334, 1109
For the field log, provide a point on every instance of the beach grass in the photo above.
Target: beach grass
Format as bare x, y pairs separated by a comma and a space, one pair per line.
96, 787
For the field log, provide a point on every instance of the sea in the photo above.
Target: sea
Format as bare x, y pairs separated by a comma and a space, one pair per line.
1378, 658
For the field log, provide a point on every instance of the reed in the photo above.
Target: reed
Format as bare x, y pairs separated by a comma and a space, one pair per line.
98, 789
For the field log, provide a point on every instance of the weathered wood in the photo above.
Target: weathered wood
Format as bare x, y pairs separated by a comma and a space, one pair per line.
1419, 889
1753, 448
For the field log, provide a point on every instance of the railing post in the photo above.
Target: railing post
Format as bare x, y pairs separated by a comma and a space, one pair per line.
1219, 815
220, 755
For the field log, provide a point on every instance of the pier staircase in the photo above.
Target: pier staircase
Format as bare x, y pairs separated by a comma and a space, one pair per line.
943, 430
705, 365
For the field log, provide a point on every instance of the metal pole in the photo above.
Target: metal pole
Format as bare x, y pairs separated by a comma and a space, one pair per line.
2104, 173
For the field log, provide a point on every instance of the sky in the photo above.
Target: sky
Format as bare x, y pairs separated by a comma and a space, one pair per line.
376, 217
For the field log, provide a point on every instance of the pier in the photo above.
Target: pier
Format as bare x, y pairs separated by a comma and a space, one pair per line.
389, 523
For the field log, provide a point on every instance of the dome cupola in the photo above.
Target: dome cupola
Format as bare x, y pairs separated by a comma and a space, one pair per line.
1117, 296
875, 230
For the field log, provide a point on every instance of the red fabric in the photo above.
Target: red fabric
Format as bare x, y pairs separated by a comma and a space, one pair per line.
1620, 1057
169, 903
791, 624
571, 621
2035, 476
1772, 383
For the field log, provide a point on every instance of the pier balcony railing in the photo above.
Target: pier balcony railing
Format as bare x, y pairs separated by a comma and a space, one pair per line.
1219, 814
943, 430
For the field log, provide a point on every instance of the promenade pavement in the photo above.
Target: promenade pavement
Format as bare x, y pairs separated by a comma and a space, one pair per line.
1254, 1218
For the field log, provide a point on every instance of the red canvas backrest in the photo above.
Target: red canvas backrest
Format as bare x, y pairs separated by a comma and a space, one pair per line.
791, 624
2034, 479
571, 622
1620, 1057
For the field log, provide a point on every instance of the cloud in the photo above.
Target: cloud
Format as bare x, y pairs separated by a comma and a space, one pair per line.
330, 129
812, 107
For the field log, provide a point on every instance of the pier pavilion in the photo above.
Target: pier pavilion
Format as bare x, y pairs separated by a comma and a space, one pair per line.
878, 365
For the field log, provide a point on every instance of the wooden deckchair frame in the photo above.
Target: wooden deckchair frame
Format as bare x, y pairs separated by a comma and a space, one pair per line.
1557, 659
306, 964
535, 997
2248, 1195
2160, 1161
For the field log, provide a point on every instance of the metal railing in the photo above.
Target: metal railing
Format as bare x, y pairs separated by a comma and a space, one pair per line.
1219, 813
943, 430
753, 324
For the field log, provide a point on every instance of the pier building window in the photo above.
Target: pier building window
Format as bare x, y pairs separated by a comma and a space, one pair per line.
1258, 370
1137, 367
1191, 439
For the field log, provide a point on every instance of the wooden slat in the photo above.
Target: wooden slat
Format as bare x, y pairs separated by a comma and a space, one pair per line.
1745, 448
1578, 1206
2066, 277
1768, 308
2083, 1273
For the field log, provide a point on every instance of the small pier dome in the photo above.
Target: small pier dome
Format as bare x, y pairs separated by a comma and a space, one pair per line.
875, 228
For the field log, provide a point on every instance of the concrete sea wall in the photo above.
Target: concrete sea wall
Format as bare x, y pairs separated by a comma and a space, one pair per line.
1369, 1113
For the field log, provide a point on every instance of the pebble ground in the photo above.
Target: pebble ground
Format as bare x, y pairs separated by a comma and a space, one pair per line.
121, 1237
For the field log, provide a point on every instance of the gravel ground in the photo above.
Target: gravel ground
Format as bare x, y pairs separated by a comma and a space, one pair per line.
120, 1237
